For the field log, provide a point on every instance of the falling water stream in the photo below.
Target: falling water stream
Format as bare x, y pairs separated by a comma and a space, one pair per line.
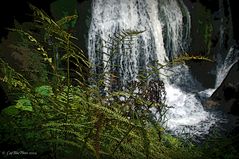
166, 26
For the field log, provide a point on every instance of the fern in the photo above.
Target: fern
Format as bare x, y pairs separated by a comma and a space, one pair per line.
12, 78
186, 57
66, 20
38, 46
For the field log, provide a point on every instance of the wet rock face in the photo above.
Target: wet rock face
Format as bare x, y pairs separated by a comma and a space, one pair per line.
226, 97
229, 92
235, 108
231, 100
4, 102
211, 104
213, 32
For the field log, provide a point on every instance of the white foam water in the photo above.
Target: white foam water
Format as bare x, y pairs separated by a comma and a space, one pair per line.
187, 117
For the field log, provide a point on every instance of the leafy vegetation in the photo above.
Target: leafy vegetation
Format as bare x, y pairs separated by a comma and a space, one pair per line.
65, 117
205, 26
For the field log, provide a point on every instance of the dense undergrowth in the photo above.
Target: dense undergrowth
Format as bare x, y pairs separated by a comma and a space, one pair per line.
63, 115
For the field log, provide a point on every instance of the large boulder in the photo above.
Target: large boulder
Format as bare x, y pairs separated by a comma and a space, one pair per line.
226, 95
226, 98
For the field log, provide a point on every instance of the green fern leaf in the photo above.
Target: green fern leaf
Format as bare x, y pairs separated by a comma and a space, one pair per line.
24, 104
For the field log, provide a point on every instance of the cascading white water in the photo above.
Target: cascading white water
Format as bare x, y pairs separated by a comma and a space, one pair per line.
164, 37
225, 65
187, 117
112, 16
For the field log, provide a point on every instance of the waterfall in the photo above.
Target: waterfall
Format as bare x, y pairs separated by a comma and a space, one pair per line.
113, 16
166, 26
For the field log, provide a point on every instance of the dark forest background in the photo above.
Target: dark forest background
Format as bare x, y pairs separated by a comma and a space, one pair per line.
19, 10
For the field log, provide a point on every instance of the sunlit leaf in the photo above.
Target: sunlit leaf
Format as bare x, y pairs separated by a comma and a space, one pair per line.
24, 104
44, 90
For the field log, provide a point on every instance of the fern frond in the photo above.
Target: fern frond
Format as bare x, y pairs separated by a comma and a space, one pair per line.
54, 124
12, 78
61, 141
186, 57
133, 32
131, 151
38, 46
66, 19
120, 142
112, 114
40, 14
79, 136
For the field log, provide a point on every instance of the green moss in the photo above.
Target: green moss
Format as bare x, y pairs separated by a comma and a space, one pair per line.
205, 25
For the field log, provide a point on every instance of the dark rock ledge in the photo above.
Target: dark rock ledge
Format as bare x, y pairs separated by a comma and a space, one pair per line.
226, 98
